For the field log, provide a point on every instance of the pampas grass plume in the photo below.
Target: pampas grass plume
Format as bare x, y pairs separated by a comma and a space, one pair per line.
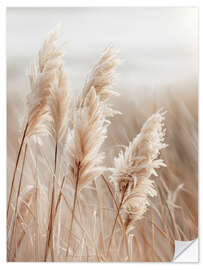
134, 167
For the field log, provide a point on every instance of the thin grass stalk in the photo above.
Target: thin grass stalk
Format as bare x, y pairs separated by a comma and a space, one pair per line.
73, 210
119, 216
83, 242
131, 247
176, 231
162, 233
86, 249
138, 246
163, 212
17, 199
78, 223
101, 219
114, 225
36, 215
148, 244
95, 245
57, 206
20, 240
87, 235
20, 220
95, 223
50, 226
152, 233
15, 169
59, 199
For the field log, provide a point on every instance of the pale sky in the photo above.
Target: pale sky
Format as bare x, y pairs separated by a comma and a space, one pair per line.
158, 45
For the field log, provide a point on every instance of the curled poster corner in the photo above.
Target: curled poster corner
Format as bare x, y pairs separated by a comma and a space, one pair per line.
186, 251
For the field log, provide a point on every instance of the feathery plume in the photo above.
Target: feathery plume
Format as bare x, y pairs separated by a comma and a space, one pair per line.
102, 75
134, 167
41, 77
85, 140
59, 101
57, 107
84, 143
102, 78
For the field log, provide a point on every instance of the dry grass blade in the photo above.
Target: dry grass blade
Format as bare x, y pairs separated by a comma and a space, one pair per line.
52, 214
12, 238
118, 213
114, 224
15, 169
73, 210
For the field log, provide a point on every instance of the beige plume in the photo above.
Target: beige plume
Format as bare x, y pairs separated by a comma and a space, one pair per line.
84, 145
42, 78
102, 78
59, 101
85, 140
134, 167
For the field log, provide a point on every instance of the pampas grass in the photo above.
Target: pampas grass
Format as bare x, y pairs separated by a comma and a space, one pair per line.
72, 197
41, 79
134, 167
102, 76
84, 143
